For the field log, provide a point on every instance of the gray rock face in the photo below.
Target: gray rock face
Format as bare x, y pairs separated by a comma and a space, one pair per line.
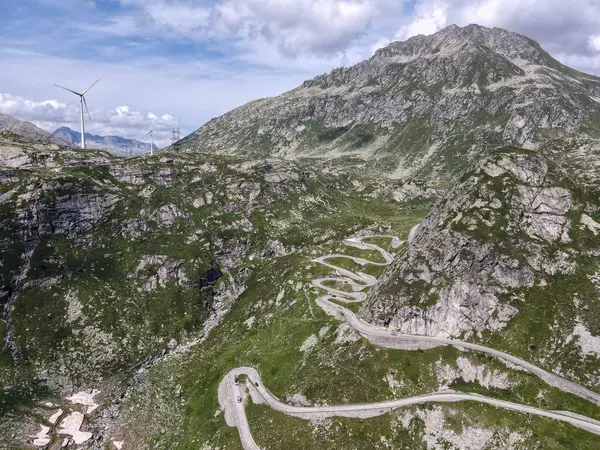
26, 129
76, 213
406, 191
494, 235
167, 215
128, 175
71, 213
163, 177
429, 106
163, 268
14, 156
18, 152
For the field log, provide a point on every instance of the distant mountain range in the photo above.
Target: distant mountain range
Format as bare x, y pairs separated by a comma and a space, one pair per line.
113, 144
65, 136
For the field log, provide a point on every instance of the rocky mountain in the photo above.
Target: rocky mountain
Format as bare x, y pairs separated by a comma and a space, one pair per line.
109, 264
26, 130
427, 107
510, 253
113, 144
130, 289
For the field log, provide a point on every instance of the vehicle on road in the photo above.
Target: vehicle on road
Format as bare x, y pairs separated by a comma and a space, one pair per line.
239, 399
256, 384
236, 379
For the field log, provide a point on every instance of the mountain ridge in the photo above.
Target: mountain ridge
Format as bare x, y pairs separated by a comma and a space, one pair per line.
425, 107
26, 129
129, 287
113, 144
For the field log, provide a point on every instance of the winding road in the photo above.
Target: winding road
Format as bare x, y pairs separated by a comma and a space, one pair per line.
231, 394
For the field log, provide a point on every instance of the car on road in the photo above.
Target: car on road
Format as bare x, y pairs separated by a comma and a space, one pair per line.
239, 399
236, 379
256, 384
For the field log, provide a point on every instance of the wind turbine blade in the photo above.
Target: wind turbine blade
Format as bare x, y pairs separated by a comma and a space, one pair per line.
90, 86
67, 89
86, 108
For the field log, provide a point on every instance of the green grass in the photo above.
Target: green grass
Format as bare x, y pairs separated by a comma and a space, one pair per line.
275, 430
176, 403
119, 326
335, 373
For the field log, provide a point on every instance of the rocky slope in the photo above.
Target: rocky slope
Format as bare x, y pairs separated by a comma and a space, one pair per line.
26, 130
509, 256
114, 144
109, 263
128, 288
522, 265
426, 107
18, 152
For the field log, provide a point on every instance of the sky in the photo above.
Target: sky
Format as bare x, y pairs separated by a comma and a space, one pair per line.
169, 63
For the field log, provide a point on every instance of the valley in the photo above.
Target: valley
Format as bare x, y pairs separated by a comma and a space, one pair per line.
403, 253
231, 395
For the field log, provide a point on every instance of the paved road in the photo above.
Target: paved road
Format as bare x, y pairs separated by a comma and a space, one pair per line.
358, 281
374, 409
385, 338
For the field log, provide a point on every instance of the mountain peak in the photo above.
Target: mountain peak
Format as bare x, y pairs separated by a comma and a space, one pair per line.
454, 39
426, 107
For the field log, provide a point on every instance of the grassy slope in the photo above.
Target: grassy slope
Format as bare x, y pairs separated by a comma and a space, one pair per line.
332, 373
115, 326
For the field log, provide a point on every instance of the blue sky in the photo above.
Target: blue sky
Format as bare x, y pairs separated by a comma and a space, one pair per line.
191, 60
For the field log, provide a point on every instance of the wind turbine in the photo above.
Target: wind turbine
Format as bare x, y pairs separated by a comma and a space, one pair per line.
151, 133
82, 102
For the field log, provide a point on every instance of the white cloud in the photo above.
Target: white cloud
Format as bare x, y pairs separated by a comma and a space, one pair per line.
429, 18
120, 121
197, 59
322, 31
322, 27
180, 16
594, 42
193, 92
294, 27
587, 63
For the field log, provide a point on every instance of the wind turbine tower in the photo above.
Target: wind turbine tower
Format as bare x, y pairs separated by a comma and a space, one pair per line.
151, 133
82, 103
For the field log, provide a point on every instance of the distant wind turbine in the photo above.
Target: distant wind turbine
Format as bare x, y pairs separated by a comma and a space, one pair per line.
151, 133
82, 102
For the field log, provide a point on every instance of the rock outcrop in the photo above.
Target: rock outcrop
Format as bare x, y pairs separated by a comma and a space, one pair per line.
509, 226
104, 262
19, 152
